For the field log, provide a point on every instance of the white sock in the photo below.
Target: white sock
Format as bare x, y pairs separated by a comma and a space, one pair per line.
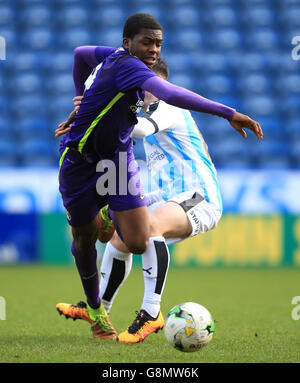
115, 268
155, 262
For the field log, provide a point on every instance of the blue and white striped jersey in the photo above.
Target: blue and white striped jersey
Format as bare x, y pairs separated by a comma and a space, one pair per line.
177, 156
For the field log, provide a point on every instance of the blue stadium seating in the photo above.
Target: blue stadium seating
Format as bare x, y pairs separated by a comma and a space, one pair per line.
8, 155
74, 15
7, 15
38, 153
35, 16
238, 53
30, 127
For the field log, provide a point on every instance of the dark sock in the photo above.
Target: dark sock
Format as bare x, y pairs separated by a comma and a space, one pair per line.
87, 268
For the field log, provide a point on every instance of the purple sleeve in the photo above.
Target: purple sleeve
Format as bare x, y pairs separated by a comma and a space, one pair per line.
183, 98
85, 59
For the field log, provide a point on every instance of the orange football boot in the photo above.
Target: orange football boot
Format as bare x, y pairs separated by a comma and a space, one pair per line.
142, 326
99, 319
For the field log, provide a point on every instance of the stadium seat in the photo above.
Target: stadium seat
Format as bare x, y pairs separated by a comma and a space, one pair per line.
294, 148
112, 37
8, 155
289, 106
31, 105
219, 85
182, 79
7, 15
179, 62
38, 38
288, 84
38, 153
60, 82
210, 63
26, 61
223, 16
60, 107
32, 128
229, 154
262, 39
271, 153
292, 127
259, 16
10, 35
73, 16
6, 132
259, 105
25, 83
61, 62
255, 83
273, 127
225, 39
74, 37
35, 16
185, 17
188, 39
109, 16
291, 16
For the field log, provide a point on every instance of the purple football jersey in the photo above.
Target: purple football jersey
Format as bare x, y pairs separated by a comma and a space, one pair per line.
111, 100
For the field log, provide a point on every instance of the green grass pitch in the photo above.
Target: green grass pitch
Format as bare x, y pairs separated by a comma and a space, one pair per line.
252, 309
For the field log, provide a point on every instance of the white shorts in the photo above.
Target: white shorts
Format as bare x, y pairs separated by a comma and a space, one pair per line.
203, 216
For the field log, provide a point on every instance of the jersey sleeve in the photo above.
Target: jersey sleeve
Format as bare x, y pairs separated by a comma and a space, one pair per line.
164, 117
131, 73
102, 52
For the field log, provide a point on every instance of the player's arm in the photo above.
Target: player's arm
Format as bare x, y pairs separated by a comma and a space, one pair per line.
160, 119
86, 58
183, 98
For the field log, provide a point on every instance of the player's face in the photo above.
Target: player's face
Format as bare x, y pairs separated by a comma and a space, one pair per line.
146, 45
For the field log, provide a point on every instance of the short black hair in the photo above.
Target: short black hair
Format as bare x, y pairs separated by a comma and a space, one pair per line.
161, 67
135, 23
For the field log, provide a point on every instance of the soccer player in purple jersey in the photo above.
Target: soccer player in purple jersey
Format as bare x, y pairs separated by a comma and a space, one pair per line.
100, 133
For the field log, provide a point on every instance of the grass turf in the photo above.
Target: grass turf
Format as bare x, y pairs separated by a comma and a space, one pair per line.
252, 309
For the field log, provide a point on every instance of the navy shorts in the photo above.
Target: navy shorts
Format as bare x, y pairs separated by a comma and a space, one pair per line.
87, 187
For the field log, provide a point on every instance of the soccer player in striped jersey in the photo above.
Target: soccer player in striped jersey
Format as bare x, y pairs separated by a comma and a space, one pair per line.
187, 203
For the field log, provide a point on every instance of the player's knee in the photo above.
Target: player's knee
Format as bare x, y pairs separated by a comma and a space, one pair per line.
137, 246
84, 242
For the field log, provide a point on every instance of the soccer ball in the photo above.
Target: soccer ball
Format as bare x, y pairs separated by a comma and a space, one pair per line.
189, 327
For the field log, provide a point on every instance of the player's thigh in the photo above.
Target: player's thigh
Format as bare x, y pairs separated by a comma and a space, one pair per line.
169, 220
134, 227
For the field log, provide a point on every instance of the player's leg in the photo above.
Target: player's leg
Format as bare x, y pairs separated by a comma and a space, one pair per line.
133, 225
82, 215
115, 267
128, 209
176, 220
170, 219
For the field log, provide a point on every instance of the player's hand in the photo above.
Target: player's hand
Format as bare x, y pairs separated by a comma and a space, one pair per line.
240, 122
77, 101
62, 129
65, 126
